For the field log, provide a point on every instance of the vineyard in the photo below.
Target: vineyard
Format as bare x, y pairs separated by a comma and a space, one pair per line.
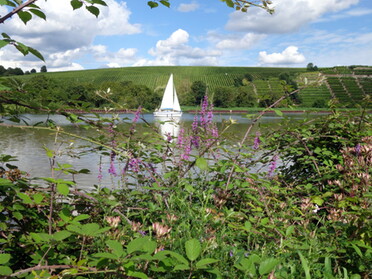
154, 77
348, 85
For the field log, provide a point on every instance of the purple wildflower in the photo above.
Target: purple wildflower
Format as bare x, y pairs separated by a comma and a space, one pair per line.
195, 124
203, 113
257, 141
143, 233
357, 149
272, 166
186, 151
134, 164
231, 253
100, 175
210, 114
112, 169
195, 138
204, 106
137, 114
180, 138
215, 132
169, 137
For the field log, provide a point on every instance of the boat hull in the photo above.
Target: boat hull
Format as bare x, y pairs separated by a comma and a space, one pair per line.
168, 114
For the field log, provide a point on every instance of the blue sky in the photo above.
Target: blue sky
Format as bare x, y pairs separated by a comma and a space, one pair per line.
195, 32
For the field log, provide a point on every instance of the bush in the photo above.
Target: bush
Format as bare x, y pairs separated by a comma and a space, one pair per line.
294, 203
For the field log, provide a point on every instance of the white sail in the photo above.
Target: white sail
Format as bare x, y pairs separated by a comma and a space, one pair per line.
176, 103
167, 101
170, 106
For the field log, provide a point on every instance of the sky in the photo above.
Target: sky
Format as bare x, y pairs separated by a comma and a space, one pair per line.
128, 33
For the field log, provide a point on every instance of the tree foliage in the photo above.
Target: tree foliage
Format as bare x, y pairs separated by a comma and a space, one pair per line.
198, 89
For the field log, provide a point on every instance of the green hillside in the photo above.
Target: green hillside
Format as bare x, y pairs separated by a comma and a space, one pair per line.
157, 76
349, 86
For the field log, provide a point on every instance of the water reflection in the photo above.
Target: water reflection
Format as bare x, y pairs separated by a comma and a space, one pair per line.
169, 128
28, 144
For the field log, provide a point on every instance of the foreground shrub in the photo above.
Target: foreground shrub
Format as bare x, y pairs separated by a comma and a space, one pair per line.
194, 207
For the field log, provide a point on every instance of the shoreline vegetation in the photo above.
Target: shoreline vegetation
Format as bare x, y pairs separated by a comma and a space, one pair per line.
237, 88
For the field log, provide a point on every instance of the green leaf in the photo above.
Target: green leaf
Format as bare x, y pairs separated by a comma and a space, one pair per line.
22, 48
3, 43
25, 198
40, 237
161, 255
289, 231
38, 198
278, 112
24, 16
76, 4
75, 229
229, 3
90, 229
317, 200
36, 53
61, 235
105, 255
181, 267
204, 262
116, 247
193, 249
247, 226
4, 258
5, 182
99, 2
201, 163
63, 189
142, 244
81, 217
5, 270
305, 266
93, 10
357, 250
5, 36
17, 215
152, 4
49, 152
267, 266
38, 13
165, 3
137, 274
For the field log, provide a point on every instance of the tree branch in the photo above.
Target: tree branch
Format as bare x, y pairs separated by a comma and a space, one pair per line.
16, 10
48, 267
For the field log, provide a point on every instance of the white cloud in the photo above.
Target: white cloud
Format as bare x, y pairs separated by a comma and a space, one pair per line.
289, 15
176, 51
68, 34
288, 56
121, 58
190, 7
239, 42
346, 14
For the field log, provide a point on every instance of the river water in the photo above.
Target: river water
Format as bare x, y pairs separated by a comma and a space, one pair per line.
28, 145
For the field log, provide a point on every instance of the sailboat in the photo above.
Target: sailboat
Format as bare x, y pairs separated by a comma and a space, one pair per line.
170, 106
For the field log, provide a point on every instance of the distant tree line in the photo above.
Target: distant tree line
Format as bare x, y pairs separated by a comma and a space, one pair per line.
18, 71
45, 91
